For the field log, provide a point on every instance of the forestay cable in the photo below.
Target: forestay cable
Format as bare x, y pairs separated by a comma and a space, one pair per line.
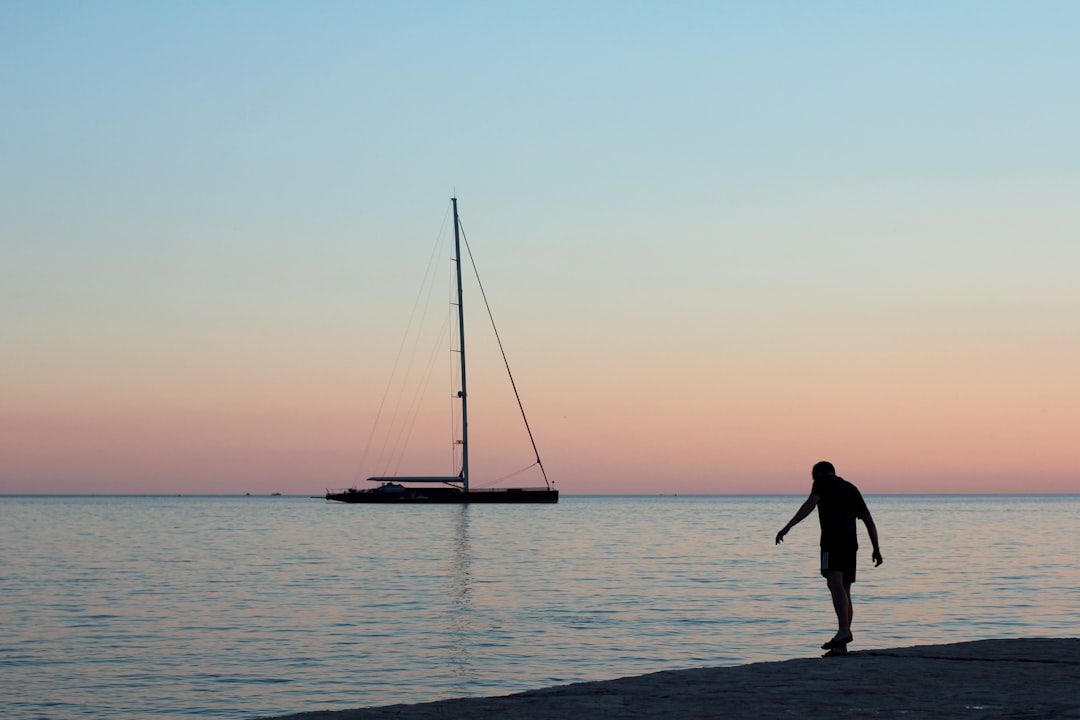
506, 362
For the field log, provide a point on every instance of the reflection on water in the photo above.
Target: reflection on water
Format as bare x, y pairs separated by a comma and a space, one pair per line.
154, 608
463, 631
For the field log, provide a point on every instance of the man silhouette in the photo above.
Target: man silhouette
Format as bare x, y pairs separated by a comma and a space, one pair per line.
838, 503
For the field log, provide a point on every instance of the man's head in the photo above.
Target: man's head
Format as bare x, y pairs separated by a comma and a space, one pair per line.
823, 469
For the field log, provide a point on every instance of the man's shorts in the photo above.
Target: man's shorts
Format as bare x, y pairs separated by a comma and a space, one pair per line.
842, 560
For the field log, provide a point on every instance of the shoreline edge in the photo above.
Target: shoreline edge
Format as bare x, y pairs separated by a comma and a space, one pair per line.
1034, 678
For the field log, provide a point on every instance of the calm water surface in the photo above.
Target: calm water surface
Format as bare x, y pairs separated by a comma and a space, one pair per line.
153, 607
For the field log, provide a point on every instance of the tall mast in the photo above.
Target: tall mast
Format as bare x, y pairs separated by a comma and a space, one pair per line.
461, 350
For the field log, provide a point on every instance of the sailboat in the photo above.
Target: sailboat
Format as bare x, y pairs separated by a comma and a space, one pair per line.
417, 489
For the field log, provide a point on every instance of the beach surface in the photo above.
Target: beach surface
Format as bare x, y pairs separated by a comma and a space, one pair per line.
1024, 678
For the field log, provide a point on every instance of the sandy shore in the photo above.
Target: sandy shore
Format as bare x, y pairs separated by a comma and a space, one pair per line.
1030, 678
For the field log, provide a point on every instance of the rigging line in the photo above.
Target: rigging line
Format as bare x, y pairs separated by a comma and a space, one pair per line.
506, 362
386, 457
426, 283
496, 481
412, 414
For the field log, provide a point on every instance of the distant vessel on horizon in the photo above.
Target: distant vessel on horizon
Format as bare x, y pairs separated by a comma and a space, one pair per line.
452, 488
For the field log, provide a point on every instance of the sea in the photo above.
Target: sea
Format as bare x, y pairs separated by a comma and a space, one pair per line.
247, 607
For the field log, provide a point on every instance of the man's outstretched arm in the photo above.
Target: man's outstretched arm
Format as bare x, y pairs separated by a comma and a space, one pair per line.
806, 509
871, 529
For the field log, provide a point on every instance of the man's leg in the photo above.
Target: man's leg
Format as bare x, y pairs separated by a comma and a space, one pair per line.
841, 598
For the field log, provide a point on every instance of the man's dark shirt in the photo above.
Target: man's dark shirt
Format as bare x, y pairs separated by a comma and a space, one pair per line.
839, 504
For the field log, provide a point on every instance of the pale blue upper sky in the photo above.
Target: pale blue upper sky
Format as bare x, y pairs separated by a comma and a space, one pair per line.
198, 188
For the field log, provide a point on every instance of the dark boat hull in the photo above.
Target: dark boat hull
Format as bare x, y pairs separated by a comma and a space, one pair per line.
439, 496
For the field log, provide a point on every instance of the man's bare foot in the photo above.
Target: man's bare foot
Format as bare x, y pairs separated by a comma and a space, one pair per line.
836, 651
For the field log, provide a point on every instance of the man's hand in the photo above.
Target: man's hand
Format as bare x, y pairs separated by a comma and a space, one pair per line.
877, 558
780, 536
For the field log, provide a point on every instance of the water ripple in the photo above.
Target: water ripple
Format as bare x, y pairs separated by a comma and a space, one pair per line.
162, 608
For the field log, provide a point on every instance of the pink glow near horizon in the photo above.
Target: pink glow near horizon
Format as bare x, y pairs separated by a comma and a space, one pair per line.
593, 454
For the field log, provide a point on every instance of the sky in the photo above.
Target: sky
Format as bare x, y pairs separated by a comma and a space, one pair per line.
722, 241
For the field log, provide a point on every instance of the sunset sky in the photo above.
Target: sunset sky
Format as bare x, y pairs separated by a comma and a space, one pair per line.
722, 241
